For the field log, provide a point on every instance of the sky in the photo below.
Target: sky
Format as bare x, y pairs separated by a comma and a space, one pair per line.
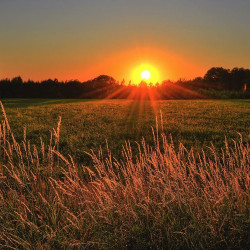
81, 39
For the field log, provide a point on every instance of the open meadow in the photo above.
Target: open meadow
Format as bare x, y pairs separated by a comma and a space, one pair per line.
168, 178
89, 124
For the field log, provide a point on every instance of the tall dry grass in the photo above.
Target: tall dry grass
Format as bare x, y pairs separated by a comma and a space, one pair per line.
161, 197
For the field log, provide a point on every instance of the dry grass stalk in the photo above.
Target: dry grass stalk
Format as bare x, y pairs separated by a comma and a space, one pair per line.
162, 197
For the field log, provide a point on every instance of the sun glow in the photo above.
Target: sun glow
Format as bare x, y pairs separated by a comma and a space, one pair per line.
146, 73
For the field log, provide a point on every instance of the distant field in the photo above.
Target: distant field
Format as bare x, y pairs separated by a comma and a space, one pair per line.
87, 124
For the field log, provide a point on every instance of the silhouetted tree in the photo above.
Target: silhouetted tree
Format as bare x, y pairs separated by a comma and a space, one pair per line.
105, 79
238, 78
218, 77
103, 86
17, 80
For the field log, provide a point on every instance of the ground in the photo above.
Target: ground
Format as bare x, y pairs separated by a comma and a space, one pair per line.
88, 124
163, 197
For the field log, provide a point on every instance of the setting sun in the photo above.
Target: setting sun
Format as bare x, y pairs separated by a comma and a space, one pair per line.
145, 75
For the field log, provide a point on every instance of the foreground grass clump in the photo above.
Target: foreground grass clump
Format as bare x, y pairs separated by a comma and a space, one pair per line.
164, 197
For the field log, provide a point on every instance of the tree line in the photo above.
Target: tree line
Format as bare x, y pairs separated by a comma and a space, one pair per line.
217, 82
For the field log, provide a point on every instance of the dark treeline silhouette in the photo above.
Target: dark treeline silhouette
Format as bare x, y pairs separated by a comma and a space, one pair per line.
217, 83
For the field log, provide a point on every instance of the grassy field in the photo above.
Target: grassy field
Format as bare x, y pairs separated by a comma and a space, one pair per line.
87, 124
157, 194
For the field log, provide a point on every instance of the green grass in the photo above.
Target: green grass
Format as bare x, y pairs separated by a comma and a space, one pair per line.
156, 194
87, 124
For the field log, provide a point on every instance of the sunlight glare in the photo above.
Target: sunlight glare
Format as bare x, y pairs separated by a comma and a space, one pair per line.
147, 73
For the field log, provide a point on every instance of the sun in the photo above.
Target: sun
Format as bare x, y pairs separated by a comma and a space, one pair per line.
145, 75
145, 72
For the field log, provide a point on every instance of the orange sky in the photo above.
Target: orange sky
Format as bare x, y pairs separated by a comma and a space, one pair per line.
122, 65
83, 39
118, 64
